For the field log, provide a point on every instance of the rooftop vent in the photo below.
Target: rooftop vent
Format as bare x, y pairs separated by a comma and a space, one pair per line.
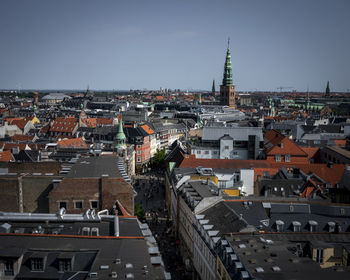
93, 274
5, 228
276, 268
259, 269
129, 276
244, 275
129, 265
114, 274
104, 267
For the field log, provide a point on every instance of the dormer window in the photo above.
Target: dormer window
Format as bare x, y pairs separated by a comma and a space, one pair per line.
331, 226
296, 226
313, 226
37, 264
65, 265
278, 158
287, 158
8, 267
279, 225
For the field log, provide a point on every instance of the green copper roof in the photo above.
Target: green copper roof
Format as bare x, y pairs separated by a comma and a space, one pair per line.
120, 138
120, 135
228, 80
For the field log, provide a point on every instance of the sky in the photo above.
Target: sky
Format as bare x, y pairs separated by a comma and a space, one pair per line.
122, 45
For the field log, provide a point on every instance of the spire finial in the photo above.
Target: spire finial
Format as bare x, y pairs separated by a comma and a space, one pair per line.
228, 43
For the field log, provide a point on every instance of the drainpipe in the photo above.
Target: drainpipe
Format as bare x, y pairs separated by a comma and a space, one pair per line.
116, 225
20, 194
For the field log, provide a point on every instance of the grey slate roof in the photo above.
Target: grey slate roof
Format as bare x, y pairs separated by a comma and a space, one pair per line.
237, 133
95, 167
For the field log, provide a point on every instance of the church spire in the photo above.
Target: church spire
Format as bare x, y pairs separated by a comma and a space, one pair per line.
328, 91
227, 79
213, 87
120, 139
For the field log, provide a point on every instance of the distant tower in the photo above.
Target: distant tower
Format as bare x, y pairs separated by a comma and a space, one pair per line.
227, 89
36, 102
328, 91
308, 101
213, 88
120, 138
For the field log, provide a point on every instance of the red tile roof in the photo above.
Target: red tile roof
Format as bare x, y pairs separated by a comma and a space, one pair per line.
21, 138
277, 144
311, 151
147, 129
21, 123
62, 124
331, 175
6, 156
74, 143
340, 142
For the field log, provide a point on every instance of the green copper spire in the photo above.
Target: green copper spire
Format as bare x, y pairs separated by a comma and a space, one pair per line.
120, 138
227, 80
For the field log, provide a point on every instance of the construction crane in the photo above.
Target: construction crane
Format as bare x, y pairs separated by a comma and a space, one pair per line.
282, 87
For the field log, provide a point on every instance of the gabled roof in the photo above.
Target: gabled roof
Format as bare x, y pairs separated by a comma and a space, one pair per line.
277, 144
21, 123
311, 151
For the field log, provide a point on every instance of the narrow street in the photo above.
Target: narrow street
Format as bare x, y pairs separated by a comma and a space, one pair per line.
151, 195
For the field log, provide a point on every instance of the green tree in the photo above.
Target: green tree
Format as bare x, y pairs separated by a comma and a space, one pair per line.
139, 212
159, 158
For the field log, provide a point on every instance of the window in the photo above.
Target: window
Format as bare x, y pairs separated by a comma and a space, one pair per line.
138, 159
37, 264
198, 152
287, 158
226, 147
139, 152
138, 146
279, 225
8, 267
319, 255
62, 204
278, 158
235, 153
206, 152
94, 204
78, 204
65, 265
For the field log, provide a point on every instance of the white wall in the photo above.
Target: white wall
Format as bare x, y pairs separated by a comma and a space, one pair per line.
247, 177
